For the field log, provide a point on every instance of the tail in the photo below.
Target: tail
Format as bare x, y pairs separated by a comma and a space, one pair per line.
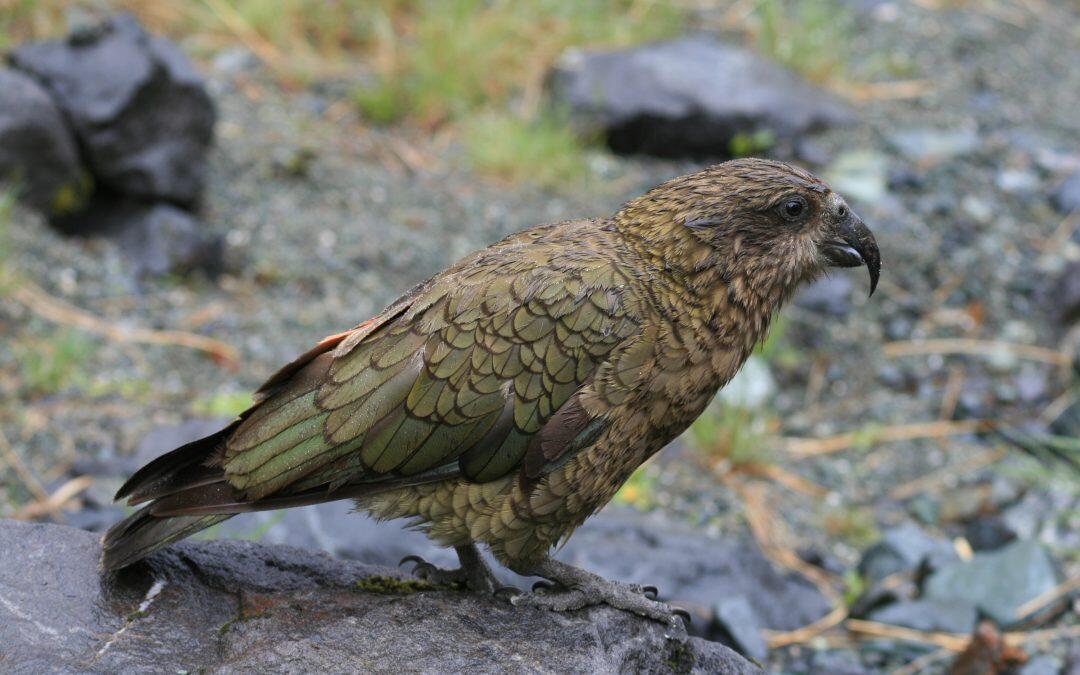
187, 492
176, 473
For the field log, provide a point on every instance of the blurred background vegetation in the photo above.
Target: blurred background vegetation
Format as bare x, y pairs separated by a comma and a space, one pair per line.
378, 140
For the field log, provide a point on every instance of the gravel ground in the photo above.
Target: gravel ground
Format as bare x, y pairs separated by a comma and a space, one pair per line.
954, 183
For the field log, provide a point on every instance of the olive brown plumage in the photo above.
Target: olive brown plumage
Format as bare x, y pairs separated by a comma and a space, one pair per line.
508, 398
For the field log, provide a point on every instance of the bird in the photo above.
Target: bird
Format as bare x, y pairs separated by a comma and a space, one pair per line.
506, 399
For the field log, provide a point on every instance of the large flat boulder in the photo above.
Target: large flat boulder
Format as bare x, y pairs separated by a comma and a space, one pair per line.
230, 606
692, 96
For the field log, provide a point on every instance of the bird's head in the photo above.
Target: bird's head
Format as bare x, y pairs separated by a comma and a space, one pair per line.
764, 225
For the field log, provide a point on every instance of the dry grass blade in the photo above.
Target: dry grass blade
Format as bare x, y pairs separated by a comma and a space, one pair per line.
46, 306
951, 641
788, 479
885, 91
53, 503
971, 347
1042, 600
21, 470
775, 639
807, 447
927, 481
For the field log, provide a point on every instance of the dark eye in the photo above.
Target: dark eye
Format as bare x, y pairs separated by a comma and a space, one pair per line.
793, 208
841, 211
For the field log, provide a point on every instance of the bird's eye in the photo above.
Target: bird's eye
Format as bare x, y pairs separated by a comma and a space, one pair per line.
841, 211
793, 208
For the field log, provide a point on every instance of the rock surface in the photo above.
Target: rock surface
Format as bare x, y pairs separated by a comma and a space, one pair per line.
138, 107
693, 96
998, 582
36, 149
242, 607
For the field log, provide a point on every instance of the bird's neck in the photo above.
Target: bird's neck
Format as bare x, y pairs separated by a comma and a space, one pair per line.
731, 297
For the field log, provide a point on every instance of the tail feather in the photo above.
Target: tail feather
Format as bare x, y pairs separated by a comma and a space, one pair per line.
142, 533
180, 469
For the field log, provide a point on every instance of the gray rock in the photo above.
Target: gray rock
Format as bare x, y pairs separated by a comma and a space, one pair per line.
902, 549
137, 106
242, 607
162, 239
1017, 181
738, 622
1041, 665
929, 615
1066, 196
37, 151
861, 175
997, 582
156, 238
691, 96
692, 570
830, 295
931, 146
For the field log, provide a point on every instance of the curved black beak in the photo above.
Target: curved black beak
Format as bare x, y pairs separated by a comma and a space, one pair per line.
854, 246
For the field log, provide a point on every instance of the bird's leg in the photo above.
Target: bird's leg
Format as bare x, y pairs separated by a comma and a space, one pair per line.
474, 573
580, 588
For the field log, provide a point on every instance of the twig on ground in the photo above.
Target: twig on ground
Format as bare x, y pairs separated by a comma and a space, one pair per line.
807, 447
972, 347
934, 478
1044, 599
951, 641
46, 306
894, 90
55, 502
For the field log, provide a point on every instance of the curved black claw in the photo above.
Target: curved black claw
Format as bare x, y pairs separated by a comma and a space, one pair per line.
651, 592
411, 558
507, 592
679, 611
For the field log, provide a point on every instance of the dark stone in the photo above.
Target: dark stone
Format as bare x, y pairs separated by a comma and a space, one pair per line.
1066, 293
929, 615
162, 239
139, 109
37, 151
693, 96
988, 533
1066, 196
157, 238
830, 295
997, 582
242, 607
903, 549
926, 146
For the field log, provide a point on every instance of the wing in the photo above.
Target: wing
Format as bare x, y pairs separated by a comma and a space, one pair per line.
459, 381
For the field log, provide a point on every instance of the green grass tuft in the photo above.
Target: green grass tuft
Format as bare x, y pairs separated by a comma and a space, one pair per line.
55, 363
543, 151
807, 36
222, 404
